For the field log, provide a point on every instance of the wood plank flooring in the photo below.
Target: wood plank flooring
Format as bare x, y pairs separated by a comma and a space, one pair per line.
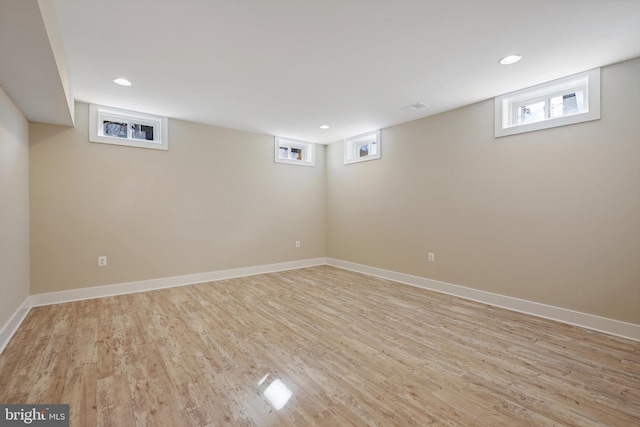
353, 350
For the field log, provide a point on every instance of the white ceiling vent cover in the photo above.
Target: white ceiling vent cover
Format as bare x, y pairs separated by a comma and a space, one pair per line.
414, 107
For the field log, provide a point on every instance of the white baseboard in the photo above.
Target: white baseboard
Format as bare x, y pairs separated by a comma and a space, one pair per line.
589, 321
584, 320
36, 300
14, 322
166, 282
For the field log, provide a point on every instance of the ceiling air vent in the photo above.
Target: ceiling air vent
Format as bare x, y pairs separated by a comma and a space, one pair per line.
414, 107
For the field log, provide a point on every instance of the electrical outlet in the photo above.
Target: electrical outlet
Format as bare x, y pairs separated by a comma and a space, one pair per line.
432, 257
102, 261
297, 243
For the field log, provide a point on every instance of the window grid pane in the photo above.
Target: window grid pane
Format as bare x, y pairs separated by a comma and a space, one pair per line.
531, 113
143, 132
116, 129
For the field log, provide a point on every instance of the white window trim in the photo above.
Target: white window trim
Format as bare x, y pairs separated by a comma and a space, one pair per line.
352, 145
98, 114
308, 150
506, 105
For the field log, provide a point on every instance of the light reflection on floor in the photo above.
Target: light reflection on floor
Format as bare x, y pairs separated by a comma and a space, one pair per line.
275, 391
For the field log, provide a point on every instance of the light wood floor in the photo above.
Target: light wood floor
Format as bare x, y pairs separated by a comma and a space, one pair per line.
354, 350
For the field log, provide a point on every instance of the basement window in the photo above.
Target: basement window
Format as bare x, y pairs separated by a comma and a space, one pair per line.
294, 152
122, 127
362, 147
561, 102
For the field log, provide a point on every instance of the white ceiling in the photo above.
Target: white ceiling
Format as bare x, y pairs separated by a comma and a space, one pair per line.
285, 67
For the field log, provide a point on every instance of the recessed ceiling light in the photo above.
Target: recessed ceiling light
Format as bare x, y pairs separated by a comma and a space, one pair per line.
122, 82
324, 127
511, 59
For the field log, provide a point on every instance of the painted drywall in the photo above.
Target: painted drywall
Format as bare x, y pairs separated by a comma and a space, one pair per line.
551, 216
215, 200
33, 69
14, 208
50, 22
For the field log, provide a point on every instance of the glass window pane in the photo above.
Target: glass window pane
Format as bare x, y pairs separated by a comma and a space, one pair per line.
570, 103
531, 113
296, 153
555, 105
116, 129
142, 132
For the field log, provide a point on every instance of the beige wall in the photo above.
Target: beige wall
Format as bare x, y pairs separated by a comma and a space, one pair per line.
14, 208
551, 216
215, 200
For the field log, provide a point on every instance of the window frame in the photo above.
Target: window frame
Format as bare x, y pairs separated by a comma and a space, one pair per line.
352, 147
506, 105
98, 114
308, 151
